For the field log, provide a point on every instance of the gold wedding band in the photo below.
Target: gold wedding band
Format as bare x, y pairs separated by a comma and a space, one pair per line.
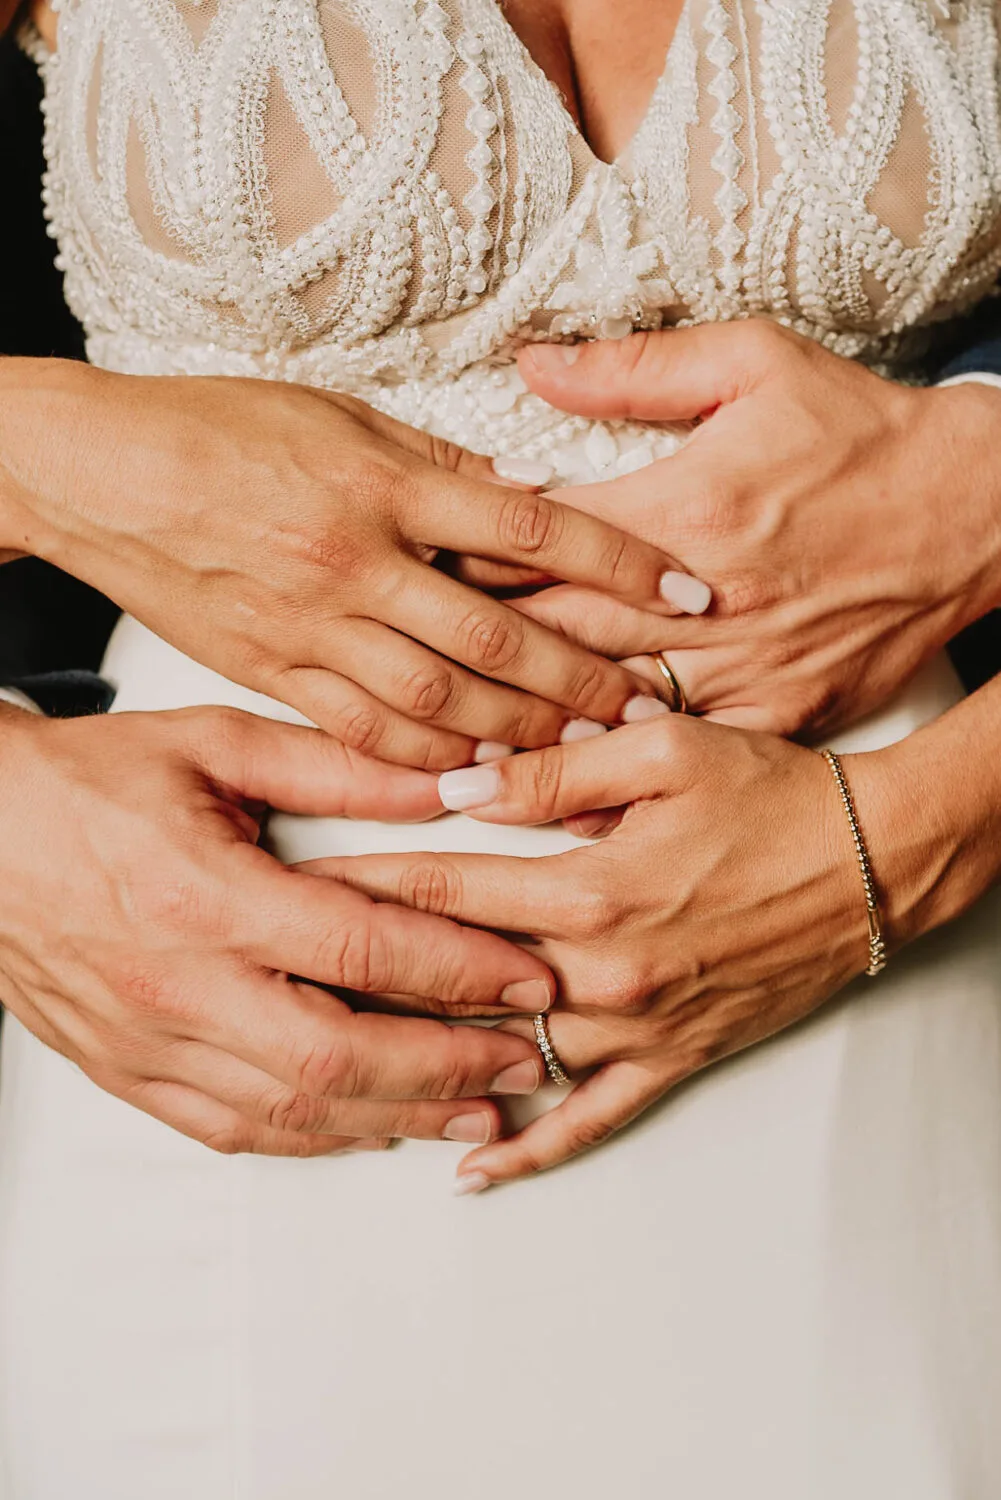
675, 697
557, 1072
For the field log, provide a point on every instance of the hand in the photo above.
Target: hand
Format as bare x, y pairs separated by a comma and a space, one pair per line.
145, 935
725, 907
848, 527
284, 537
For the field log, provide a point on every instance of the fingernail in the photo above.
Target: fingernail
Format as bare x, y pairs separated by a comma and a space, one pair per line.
523, 1078
488, 750
472, 1182
551, 358
686, 593
581, 729
640, 708
475, 1130
527, 994
469, 787
523, 471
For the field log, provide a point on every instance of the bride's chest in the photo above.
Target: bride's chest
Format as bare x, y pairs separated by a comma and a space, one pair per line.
270, 173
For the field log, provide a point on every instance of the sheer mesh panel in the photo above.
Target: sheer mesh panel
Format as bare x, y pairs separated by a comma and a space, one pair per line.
387, 189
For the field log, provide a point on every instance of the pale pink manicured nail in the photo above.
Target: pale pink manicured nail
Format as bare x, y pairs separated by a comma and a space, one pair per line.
581, 729
551, 358
527, 994
523, 1078
475, 1130
523, 471
469, 787
635, 711
488, 750
471, 1182
686, 593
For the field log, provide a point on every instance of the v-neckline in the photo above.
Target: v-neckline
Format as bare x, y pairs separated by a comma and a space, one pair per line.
620, 161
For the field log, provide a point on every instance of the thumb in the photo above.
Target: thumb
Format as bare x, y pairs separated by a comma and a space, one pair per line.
672, 376
304, 771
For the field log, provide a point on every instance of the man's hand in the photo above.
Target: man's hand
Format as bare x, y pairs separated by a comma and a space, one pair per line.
285, 537
848, 527
145, 935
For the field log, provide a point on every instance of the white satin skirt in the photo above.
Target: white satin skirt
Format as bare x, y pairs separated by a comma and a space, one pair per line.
783, 1284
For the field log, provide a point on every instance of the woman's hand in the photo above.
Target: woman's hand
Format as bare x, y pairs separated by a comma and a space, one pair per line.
848, 527
145, 935
284, 537
726, 906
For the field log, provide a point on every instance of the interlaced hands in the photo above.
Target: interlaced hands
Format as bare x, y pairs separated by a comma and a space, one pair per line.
286, 538
147, 936
723, 907
843, 522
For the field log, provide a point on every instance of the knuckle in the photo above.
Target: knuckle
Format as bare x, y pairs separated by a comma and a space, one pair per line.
491, 642
445, 455
623, 989
528, 524
384, 486
431, 885
587, 684
356, 953
361, 727
739, 597
146, 990
329, 1070
295, 1112
543, 773
341, 552
616, 564
429, 692
455, 1081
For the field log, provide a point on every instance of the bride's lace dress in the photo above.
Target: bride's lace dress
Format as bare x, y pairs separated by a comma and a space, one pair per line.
784, 1282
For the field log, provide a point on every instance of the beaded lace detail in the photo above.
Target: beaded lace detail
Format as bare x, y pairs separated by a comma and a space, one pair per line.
387, 197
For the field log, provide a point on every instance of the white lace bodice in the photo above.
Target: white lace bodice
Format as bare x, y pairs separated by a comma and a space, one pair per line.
386, 196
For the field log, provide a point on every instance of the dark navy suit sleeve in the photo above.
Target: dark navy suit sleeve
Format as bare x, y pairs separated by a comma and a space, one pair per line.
52, 628
975, 347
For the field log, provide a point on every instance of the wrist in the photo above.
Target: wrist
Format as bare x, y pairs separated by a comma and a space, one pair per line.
44, 429
930, 813
967, 467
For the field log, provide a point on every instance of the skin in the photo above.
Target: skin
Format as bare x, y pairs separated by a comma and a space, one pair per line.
154, 948
284, 537
818, 501
653, 986
602, 939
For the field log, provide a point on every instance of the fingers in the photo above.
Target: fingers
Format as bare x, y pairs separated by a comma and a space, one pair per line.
300, 770
258, 1098
223, 1129
315, 1045
320, 928
592, 1113
481, 573
428, 687
559, 782
364, 723
496, 641
670, 376
598, 623
538, 532
538, 896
